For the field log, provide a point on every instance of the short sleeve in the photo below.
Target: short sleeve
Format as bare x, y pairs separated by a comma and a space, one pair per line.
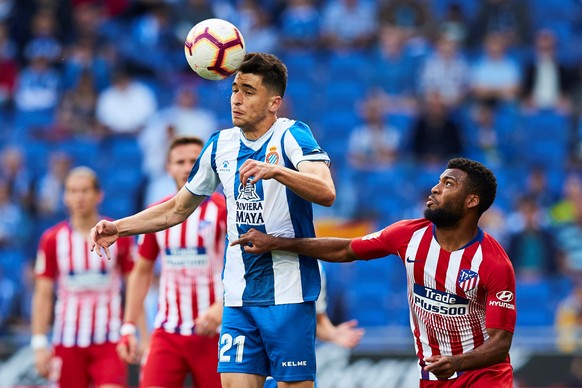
125, 253
300, 145
46, 257
501, 310
203, 179
148, 247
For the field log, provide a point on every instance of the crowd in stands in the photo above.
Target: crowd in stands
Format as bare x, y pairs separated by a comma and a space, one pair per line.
391, 88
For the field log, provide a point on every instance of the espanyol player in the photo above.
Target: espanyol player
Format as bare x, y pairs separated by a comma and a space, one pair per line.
271, 170
461, 284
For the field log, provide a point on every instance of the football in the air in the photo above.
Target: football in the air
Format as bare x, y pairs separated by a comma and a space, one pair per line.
214, 49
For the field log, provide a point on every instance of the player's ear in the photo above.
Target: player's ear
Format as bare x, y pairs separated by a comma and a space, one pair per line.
275, 104
472, 201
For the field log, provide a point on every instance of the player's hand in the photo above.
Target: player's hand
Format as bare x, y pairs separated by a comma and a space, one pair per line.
42, 361
127, 349
207, 324
255, 171
348, 334
442, 367
102, 236
254, 241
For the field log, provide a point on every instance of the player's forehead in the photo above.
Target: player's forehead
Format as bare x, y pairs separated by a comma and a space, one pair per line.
248, 80
453, 174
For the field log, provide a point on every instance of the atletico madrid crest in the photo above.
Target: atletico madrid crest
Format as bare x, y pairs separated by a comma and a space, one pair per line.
468, 279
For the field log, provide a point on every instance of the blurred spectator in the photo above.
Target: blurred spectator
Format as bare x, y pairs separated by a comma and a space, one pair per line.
8, 293
79, 104
546, 82
564, 210
51, 188
494, 221
413, 17
348, 24
435, 137
125, 95
393, 70
538, 187
482, 135
16, 174
183, 118
153, 49
81, 61
532, 247
255, 25
8, 67
39, 84
12, 219
509, 18
187, 13
44, 36
569, 238
569, 322
300, 24
495, 77
446, 72
374, 145
454, 23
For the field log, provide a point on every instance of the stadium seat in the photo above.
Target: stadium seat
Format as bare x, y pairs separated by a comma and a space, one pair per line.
535, 304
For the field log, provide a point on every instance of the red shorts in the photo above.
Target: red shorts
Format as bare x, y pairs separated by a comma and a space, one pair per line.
495, 376
77, 367
172, 356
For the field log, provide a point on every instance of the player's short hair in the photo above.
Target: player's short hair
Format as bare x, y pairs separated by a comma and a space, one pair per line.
269, 67
481, 181
86, 172
183, 140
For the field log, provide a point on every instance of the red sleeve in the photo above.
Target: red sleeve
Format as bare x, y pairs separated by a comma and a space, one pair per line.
46, 257
500, 312
125, 251
385, 242
148, 247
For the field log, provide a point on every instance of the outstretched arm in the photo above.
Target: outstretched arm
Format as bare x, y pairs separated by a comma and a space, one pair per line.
326, 249
153, 219
493, 351
312, 182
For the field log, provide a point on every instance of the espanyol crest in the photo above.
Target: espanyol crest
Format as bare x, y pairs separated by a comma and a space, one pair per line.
468, 279
272, 157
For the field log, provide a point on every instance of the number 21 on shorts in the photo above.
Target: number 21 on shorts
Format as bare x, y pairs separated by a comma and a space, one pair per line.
227, 342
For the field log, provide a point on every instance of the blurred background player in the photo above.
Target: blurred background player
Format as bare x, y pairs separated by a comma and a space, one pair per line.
87, 314
190, 298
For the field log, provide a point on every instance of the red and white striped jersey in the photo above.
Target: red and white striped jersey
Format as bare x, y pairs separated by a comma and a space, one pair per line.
192, 260
88, 307
454, 297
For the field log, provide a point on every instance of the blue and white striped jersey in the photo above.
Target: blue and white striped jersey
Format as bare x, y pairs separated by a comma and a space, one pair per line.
276, 277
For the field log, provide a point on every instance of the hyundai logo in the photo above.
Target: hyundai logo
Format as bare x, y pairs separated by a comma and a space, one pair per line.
505, 296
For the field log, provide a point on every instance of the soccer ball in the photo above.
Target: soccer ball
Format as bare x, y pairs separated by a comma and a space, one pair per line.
214, 49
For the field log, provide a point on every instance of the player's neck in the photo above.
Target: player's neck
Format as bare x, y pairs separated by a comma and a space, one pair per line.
453, 238
258, 130
83, 224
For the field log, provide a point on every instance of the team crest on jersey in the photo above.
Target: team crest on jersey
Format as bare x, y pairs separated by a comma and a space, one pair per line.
468, 279
272, 157
224, 166
248, 192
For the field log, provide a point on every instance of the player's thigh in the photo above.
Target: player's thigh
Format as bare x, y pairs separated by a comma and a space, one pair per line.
105, 366
201, 354
242, 380
295, 384
165, 366
69, 367
288, 332
241, 347
495, 376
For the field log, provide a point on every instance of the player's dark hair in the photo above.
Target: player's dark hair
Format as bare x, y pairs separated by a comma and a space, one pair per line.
183, 140
481, 181
269, 67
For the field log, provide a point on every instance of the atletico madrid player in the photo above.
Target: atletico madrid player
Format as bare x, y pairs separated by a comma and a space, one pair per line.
88, 311
461, 284
189, 313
